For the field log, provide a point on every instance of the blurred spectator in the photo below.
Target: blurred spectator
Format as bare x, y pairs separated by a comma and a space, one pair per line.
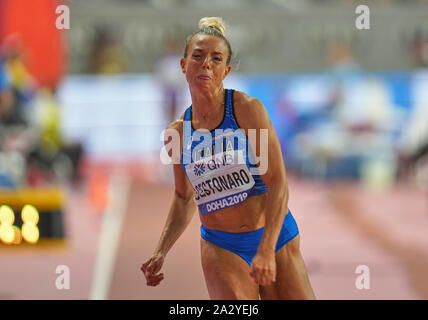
366, 117
286, 121
413, 143
169, 74
6, 97
107, 55
322, 145
11, 162
32, 152
51, 159
410, 160
22, 85
344, 132
419, 49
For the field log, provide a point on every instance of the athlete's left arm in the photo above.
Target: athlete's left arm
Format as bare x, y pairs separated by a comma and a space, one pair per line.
263, 268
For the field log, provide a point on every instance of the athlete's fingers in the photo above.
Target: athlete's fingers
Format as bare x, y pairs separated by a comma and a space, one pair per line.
154, 284
143, 267
155, 264
144, 270
146, 264
269, 277
150, 267
155, 267
267, 280
262, 276
264, 281
256, 275
155, 280
154, 277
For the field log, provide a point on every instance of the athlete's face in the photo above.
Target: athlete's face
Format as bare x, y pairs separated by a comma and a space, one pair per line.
205, 65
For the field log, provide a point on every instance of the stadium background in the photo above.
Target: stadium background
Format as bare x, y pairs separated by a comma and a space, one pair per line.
82, 111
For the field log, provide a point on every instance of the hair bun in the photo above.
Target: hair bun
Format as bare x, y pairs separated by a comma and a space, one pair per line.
214, 22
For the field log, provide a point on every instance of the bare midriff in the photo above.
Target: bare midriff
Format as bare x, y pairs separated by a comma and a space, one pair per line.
244, 217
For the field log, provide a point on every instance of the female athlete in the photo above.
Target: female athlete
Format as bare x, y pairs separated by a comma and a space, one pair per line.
249, 238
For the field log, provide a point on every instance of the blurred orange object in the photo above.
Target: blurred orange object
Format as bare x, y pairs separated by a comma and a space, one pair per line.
98, 190
32, 27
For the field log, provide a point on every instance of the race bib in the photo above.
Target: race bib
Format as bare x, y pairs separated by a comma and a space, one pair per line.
220, 181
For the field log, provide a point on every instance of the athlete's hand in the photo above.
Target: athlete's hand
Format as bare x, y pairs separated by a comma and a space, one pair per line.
263, 268
151, 267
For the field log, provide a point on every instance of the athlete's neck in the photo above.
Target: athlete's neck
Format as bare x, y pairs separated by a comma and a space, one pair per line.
207, 105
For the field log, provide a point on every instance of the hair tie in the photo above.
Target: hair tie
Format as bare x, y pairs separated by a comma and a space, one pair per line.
213, 28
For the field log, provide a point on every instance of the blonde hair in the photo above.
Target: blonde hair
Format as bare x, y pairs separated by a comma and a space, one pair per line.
213, 22
213, 26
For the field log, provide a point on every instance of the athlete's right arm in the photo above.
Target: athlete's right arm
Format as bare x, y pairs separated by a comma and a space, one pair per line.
179, 217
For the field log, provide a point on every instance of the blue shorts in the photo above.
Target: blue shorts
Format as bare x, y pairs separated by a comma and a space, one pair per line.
245, 244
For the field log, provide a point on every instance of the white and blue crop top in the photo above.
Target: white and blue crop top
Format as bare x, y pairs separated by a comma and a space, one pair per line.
217, 162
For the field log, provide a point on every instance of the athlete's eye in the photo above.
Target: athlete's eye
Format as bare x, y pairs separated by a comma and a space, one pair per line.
217, 59
196, 55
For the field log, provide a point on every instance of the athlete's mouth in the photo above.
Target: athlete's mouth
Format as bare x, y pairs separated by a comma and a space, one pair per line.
204, 77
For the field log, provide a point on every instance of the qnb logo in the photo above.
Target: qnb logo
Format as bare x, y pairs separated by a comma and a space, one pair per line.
199, 169
225, 160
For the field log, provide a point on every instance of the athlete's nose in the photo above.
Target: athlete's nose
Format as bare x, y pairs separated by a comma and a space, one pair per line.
206, 63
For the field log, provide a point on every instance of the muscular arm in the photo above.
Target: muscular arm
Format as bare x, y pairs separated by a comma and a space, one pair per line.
275, 180
251, 114
180, 213
183, 206
179, 216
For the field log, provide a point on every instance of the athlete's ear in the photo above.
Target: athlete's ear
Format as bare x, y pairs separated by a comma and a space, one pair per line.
183, 65
227, 70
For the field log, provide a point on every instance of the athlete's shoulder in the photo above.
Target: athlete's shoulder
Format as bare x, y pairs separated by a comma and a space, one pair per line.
249, 110
173, 135
174, 127
241, 99
177, 124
